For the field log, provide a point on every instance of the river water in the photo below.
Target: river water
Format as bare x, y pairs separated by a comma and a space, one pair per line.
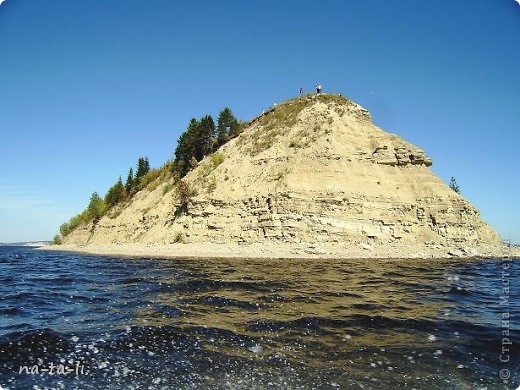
70, 321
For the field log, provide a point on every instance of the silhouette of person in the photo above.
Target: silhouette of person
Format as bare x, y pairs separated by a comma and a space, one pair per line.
318, 88
301, 91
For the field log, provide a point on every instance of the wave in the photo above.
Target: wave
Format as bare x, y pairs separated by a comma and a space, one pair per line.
461, 291
217, 301
55, 280
11, 311
19, 296
20, 345
200, 285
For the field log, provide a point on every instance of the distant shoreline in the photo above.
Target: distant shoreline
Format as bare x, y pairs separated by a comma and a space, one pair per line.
271, 251
32, 244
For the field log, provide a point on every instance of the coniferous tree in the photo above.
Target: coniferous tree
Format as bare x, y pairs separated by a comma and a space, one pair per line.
129, 181
204, 137
201, 138
227, 125
186, 146
143, 167
195, 142
115, 194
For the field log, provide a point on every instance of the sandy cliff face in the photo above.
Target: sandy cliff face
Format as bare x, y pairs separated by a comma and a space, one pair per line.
314, 170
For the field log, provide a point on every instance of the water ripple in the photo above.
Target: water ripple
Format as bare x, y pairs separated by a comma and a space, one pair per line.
148, 323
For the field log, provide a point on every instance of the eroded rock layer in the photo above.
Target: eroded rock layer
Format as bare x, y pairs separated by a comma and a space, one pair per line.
313, 170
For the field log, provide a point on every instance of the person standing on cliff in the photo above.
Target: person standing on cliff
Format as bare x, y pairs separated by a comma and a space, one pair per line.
301, 91
318, 88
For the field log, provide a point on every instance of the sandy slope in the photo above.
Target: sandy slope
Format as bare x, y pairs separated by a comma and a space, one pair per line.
313, 178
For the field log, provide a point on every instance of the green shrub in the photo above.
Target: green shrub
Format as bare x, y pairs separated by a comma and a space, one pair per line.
454, 186
148, 178
205, 170
210, 165
178, 238
168, 187
217, 159
78, 220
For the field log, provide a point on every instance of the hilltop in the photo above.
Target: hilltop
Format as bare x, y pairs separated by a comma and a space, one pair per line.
312, 176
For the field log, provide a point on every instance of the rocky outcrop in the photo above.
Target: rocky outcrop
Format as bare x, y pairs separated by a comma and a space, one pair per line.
400, 156
314, 170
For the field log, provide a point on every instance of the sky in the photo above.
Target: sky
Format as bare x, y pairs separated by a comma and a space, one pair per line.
88, 87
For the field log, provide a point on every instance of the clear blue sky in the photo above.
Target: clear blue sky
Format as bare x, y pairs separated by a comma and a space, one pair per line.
87, 87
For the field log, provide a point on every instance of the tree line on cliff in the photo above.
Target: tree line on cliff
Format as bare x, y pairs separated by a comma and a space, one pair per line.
201, 138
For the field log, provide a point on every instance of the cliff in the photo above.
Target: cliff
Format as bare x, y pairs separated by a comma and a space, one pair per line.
313, 171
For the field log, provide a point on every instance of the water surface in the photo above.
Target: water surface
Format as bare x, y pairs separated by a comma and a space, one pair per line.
121, 323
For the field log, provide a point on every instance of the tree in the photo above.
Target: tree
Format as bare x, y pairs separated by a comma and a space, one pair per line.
186, 146
454, 186
227, 124
204, 137
96, 207
143, 167
129, 181
195, 142
115, 194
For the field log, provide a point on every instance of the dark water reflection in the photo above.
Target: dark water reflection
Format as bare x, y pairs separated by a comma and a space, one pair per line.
255, 324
